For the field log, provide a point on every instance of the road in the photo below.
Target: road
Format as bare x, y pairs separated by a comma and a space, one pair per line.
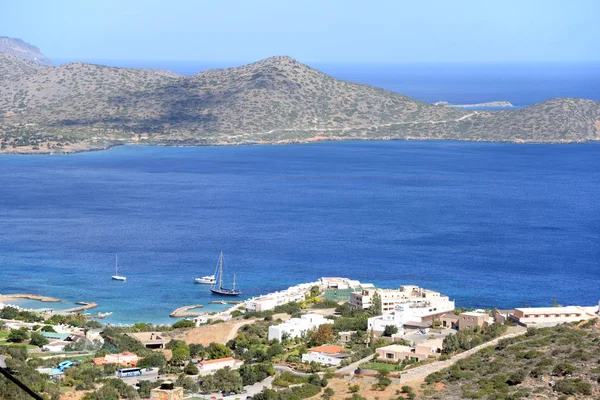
349, 370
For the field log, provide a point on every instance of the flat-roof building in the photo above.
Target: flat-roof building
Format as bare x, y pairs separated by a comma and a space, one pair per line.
549, 316
151, 340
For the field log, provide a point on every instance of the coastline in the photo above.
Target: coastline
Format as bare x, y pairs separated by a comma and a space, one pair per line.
190, 143
44, 299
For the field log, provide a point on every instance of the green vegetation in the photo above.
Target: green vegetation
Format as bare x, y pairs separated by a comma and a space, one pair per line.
466, 339
565, 355
61, 109
184, 323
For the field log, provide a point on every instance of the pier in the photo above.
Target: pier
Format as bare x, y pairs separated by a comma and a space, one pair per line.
87, 306
226, 302
37, 297
185, 311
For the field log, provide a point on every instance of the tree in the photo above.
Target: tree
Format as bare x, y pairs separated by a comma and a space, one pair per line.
354, 388
328, 393
390, 330
39, 340
218, 350
323, 334
274, 350
375, 308
184, 323
450, 344
180, 355
154, 360
191, 369
18, 335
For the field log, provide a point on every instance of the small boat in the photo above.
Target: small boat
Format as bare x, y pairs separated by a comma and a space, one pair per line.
116, 276
221, 290
208, 279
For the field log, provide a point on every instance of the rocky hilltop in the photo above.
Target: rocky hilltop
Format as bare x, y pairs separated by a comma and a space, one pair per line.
20, 48
81, 106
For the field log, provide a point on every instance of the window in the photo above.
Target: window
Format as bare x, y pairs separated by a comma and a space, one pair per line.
389, 356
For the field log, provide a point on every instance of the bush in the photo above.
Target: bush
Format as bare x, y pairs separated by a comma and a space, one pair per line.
191, 369
184, 323
17, 335
390, 330
39, 340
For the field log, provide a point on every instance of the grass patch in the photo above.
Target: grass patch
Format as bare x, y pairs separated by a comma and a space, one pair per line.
383, 367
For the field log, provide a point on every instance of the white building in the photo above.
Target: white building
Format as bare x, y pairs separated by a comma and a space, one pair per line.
412, 311
390, 298
273, 300
208, 367
297, 327
549, 316
327, 355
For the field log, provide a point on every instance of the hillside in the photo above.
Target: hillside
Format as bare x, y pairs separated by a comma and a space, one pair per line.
20, 48
81, 106
548, 363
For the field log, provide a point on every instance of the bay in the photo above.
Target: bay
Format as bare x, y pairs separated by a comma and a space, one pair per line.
488, 224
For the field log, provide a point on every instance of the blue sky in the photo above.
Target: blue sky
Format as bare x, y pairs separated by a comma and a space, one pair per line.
311, 31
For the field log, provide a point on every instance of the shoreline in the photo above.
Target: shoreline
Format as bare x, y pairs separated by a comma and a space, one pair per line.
27, 296
295, 142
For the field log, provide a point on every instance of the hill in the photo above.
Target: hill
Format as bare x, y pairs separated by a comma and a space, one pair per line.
549, 363
20, 48
82, 106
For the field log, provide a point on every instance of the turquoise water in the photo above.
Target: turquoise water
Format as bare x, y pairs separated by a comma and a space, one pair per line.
488, 224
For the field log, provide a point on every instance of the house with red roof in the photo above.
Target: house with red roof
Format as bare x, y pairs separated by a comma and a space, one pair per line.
327, 355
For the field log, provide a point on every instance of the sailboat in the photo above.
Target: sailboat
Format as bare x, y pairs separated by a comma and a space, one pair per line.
221, 290
116, 276
209, 279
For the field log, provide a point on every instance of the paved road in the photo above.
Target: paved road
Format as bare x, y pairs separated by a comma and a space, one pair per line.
285, 368
146, 376
352, 367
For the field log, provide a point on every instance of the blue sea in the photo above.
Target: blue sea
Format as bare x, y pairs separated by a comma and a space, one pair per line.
487, 224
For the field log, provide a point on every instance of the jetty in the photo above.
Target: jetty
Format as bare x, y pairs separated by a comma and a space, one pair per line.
28, 296
87, 306
226, 302
186, 311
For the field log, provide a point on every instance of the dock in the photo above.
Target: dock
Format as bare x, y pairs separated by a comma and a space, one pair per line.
185, 311
37, 297
87, 306
226, 302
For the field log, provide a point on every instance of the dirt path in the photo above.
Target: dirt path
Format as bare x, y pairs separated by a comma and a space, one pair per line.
205, 335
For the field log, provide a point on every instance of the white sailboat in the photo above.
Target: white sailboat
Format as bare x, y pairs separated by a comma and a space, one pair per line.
208, 279
116, 276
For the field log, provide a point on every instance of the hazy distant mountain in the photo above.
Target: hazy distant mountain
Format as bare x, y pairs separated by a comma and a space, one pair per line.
277, 100
18, 47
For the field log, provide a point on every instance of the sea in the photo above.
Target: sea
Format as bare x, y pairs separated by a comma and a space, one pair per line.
488, 224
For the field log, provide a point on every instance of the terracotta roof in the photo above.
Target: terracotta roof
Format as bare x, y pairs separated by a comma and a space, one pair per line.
328, 349
217, 360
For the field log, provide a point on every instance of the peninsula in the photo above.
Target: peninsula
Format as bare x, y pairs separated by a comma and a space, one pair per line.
80, 107
502, 104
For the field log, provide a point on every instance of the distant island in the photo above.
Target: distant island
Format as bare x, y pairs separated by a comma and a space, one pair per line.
81, 107
503, 104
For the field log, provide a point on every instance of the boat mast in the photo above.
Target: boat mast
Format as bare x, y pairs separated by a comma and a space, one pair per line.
221, 271
234, 282
116, 265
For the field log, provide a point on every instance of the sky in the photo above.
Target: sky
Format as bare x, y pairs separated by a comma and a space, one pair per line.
393, 31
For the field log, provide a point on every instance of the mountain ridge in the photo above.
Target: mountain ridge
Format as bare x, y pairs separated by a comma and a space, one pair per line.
18, 47
80, 106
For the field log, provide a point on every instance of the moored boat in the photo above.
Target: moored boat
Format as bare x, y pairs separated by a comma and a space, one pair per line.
222, 290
